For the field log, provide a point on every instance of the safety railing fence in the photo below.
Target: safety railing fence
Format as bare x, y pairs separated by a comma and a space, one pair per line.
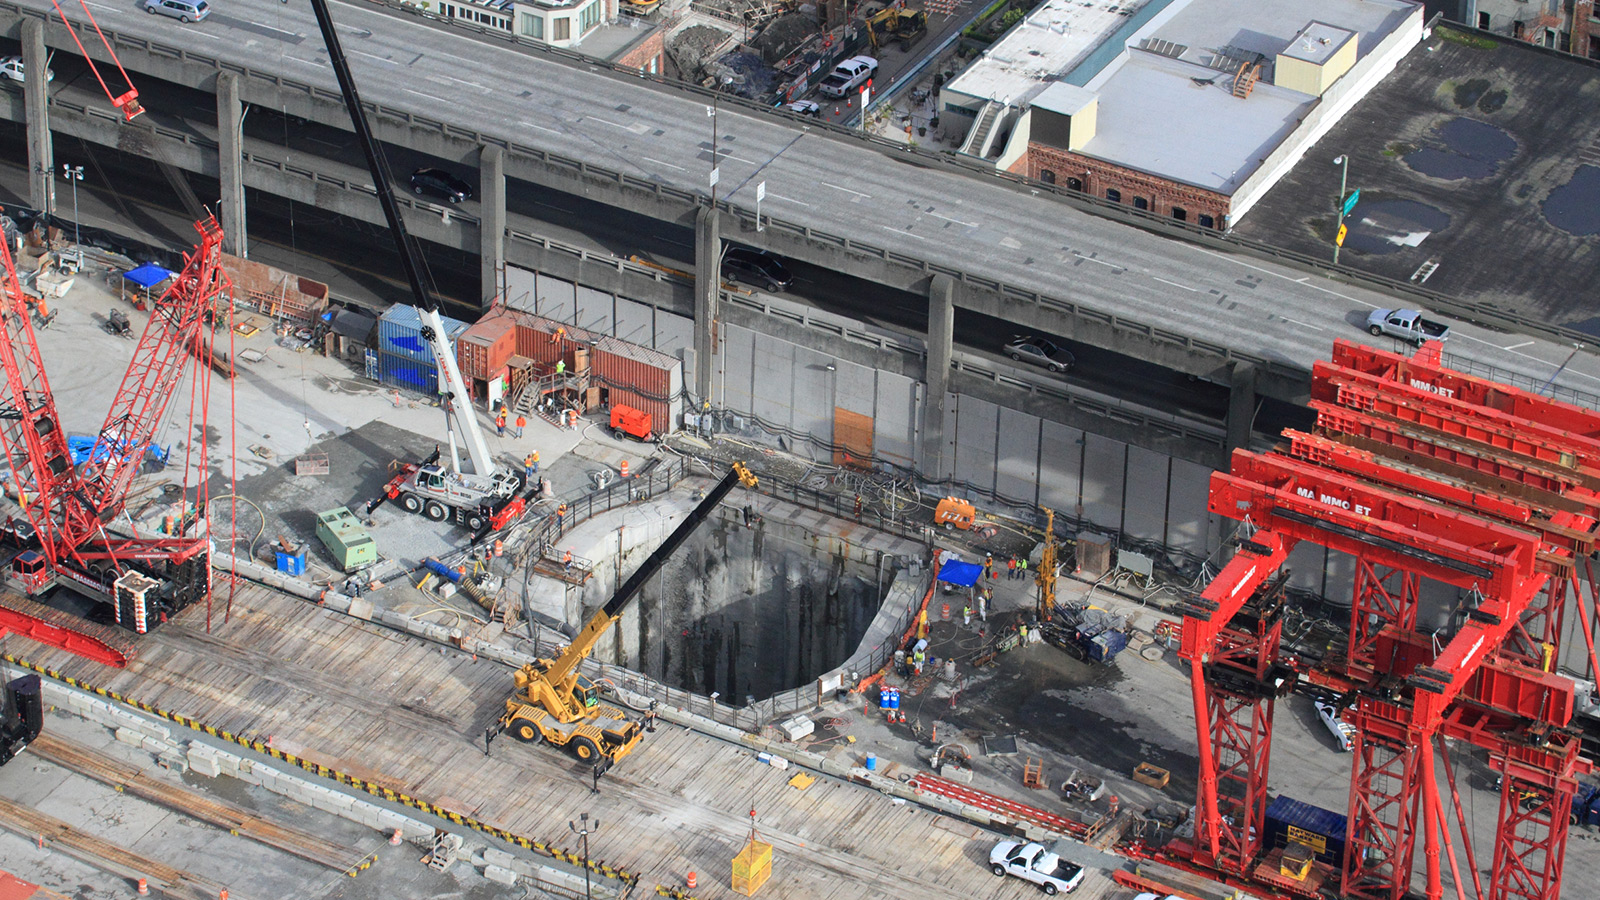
1546, 388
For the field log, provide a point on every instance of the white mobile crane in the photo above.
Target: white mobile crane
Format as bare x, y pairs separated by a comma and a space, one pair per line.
487, 497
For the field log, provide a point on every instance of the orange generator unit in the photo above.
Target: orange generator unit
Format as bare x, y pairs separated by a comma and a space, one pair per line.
630, 422
953, 512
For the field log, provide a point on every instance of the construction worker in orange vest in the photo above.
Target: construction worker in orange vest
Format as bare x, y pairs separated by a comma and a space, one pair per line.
530, 466
500, 424
566, 558
561, 515
522, 422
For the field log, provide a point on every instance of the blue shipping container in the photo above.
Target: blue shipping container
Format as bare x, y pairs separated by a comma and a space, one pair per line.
409, 374
1320, 829
400, 333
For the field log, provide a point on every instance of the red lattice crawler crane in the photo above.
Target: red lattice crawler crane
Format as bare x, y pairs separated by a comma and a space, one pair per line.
1418, 473
145, 579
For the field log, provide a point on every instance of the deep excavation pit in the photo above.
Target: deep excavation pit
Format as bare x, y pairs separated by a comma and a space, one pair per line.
748, 612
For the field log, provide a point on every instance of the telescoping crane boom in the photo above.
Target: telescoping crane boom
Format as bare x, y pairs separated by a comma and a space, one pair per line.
486, 496
553, 702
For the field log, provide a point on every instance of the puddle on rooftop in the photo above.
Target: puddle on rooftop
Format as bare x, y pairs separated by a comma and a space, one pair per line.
1380, 226
1574, 207
1463, 148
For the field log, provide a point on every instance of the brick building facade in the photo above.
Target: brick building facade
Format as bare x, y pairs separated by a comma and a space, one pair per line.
647, 55
1141, 190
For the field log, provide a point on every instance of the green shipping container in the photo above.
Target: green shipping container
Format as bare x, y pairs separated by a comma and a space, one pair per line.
346, 538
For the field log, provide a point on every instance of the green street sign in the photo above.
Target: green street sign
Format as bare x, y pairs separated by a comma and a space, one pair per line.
1350, 201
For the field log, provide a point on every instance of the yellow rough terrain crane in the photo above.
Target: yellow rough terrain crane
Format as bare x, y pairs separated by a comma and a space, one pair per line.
553, 702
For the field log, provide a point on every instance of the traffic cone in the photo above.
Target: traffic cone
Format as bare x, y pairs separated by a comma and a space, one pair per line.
691, 880
144, 887
394, 839
624, 468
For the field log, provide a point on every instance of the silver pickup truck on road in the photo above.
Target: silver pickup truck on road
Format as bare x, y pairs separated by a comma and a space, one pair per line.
1407, 325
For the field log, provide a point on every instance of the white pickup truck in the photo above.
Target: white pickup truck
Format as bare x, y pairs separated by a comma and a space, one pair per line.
1407, 325
1032, 862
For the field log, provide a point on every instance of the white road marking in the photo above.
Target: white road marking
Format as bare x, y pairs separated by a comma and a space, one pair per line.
1304, 324
1527, 356
527, 124
383, 59
1177, 285
1301, 280
847, 191
1100, 261
1515, 346
786, 199
663, 163
957, 221
429, 96
896, 230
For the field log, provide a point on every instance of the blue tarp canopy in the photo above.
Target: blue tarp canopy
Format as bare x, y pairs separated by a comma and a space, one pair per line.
148, 275
960, 573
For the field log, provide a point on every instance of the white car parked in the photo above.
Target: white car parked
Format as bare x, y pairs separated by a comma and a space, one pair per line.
1032, 862
1344, 734
12, 67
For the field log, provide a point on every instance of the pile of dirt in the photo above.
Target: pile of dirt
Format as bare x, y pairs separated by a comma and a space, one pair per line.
690, 49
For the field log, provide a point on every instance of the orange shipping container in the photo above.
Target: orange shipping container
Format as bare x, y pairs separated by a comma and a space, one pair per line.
486, 347
645, 379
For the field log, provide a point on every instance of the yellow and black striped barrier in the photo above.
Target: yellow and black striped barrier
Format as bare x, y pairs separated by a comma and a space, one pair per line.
364, 865
377, 790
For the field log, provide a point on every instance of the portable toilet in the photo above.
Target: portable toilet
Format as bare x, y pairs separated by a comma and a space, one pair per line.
346, 538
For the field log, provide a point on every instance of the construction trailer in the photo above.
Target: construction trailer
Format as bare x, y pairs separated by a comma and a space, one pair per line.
1419, 473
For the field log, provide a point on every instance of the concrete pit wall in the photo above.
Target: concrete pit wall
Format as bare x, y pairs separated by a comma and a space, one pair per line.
744, 612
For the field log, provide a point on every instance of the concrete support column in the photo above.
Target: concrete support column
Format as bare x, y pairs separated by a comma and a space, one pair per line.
492, 221
941, 335
35, 96
230, 165
1241, 404
707, 302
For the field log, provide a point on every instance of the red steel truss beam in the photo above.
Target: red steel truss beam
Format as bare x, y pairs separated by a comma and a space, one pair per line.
1234, 729
1568, 530
177, 323
1369, 466
1549, 485
1578, 422
1507, 434
1303, 501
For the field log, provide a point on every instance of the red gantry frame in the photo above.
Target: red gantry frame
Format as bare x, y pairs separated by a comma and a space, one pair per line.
1417, 472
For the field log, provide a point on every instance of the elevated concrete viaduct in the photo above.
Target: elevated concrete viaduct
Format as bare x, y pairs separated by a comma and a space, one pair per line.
223, 153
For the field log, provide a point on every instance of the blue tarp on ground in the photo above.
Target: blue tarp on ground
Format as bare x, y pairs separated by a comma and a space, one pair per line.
960, 573
148, 275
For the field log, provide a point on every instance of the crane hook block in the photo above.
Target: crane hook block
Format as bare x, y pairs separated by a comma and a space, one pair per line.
129, 104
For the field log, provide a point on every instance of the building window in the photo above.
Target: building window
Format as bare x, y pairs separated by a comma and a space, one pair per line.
1181, 214
1141, 203
1114, 195
590, 18
561, 29
1047, 176
533, 26
1074, 184
1207, 222
1483, 21
447, 10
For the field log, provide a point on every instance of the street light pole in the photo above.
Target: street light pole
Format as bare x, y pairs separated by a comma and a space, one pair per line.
1344, 180
73, 174
583, 833
716, 168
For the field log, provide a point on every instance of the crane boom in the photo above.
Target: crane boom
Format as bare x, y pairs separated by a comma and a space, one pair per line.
603, 618
410, 256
